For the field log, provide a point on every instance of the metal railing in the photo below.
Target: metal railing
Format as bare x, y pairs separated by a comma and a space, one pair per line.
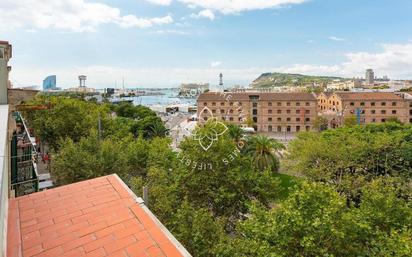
24, 175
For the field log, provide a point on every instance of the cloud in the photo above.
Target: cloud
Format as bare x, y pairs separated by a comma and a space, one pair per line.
232, 6
204, 14
215, 64
338, 39
159, 2
237, 6
394, 60
171, 31
68, 15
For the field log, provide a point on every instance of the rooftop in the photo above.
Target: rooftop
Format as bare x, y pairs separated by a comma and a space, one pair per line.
368, 96
98, 217
265, 96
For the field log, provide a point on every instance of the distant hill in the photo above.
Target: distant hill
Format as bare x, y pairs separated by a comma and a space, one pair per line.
268, 80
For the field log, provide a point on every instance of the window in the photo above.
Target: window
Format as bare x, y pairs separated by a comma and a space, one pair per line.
270, 104
240, 119
231, 118
373, 104
279, 129
205, 104
297, 111
383, 120
254, 119
213, 104
307, 119
287, 119
288, 128
307, 104
279, 104
307, 111
307, 128
297, 128
205, 118
279, 119
352, 104
383, 111
231, 111
231, 103
298, 119
393, 103
222, 111
373, 111
270, 111
279, 111
383, 103
270, 128
255, 105
410, 112
270, 119
222, 104
213, 111
255, 112
288, 104
363, 112
288, 111
373, 120
393, 111
297, 103
362, 104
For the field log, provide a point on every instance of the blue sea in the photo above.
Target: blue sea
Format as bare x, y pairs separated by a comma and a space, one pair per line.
168, 97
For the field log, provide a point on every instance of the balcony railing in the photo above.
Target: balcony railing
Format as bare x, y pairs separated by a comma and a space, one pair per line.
24, 175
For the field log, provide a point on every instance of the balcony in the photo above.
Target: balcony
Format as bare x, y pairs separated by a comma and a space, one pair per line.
24, 175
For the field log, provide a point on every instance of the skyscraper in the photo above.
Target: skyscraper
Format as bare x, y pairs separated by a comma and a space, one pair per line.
49, 83
370, 77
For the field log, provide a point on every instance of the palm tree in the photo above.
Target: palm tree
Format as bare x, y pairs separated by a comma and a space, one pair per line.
263, 151
157, 129
235, 132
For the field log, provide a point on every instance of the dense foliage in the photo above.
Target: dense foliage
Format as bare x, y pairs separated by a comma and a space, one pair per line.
352, 198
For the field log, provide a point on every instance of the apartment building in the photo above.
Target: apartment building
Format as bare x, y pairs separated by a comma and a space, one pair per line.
270, 112
368, 107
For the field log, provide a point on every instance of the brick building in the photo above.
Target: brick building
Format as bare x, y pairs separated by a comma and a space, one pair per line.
270, 112
368, 107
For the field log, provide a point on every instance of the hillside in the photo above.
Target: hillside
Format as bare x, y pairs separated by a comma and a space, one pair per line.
267, 80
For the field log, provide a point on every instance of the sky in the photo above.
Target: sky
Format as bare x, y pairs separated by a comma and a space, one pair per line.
162, 43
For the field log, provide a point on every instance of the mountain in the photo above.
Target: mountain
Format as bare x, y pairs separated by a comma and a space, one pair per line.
268, 80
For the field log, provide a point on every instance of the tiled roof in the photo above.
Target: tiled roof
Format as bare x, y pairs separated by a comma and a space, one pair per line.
98, 217
265, 96
368, 96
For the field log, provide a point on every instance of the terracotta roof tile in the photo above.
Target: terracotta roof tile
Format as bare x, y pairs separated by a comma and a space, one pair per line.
99, 217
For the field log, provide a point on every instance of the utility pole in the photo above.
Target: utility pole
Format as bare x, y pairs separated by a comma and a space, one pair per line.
100, 127
146, 196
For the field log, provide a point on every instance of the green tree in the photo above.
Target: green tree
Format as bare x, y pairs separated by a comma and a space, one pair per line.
316, 221
235, 132
348, 158
350, 121
320, 123
263, 151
